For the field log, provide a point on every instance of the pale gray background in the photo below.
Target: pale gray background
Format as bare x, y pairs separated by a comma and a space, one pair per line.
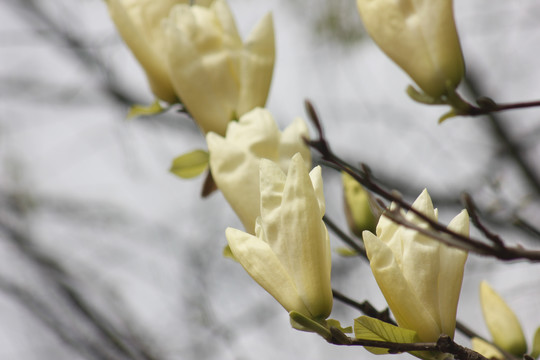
86, 190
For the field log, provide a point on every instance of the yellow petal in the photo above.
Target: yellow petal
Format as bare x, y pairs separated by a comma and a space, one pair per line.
486, 349
257, 133
257, 66
264, 267
302, 243
204, 60
502, 322
291, 142
419, 36
402, 300
138, 22
452, 264
421, 269
234, 161
316, 179
423, 204
272, 182
231, 166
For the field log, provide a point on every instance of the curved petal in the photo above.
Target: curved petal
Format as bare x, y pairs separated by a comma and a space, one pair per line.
236, 173
257, 132
421, 268
302, 242
272, 182
452, 265
204, 72
316, 179
402, 300
420, 37
257, 66
423, 204
264, 267
292, 142
138, 22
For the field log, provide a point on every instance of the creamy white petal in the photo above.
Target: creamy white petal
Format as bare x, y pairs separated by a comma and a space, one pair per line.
272, 183
204, 72
257, 133
265, 268
257, 136
257, 66
236, 173
452, 264
402, 300
139, 24
316, 179
291, 142
302, 240
419, 36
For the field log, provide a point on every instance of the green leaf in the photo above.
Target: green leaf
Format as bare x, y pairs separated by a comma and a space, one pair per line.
368, 328
191, 164
535, 352
142, 110
346, 252
303, 323
450, 114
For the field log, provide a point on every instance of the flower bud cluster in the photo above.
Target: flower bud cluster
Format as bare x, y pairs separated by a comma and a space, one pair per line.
193, 53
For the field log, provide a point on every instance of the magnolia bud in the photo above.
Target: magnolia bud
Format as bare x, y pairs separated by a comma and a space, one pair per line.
420, 37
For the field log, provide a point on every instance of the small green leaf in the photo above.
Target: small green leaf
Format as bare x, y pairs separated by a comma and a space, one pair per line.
447, 115
190, 165
368, 328
303, 323
535, 352
142, 110
502, 322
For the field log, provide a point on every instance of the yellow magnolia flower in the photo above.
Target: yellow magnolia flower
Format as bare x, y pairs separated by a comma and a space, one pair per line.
139, 24
419, 276
502, 322
420, 36
217, 77
234, 159
289, 256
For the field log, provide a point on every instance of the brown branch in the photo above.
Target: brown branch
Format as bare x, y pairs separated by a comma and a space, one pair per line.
358, 247
365, 307
450, 237
473, 214
501, 135
444, 345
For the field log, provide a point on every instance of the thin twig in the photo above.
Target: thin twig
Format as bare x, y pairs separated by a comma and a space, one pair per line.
359, 248
502, 136
444, 345
365, 307
473, 214
450, 237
